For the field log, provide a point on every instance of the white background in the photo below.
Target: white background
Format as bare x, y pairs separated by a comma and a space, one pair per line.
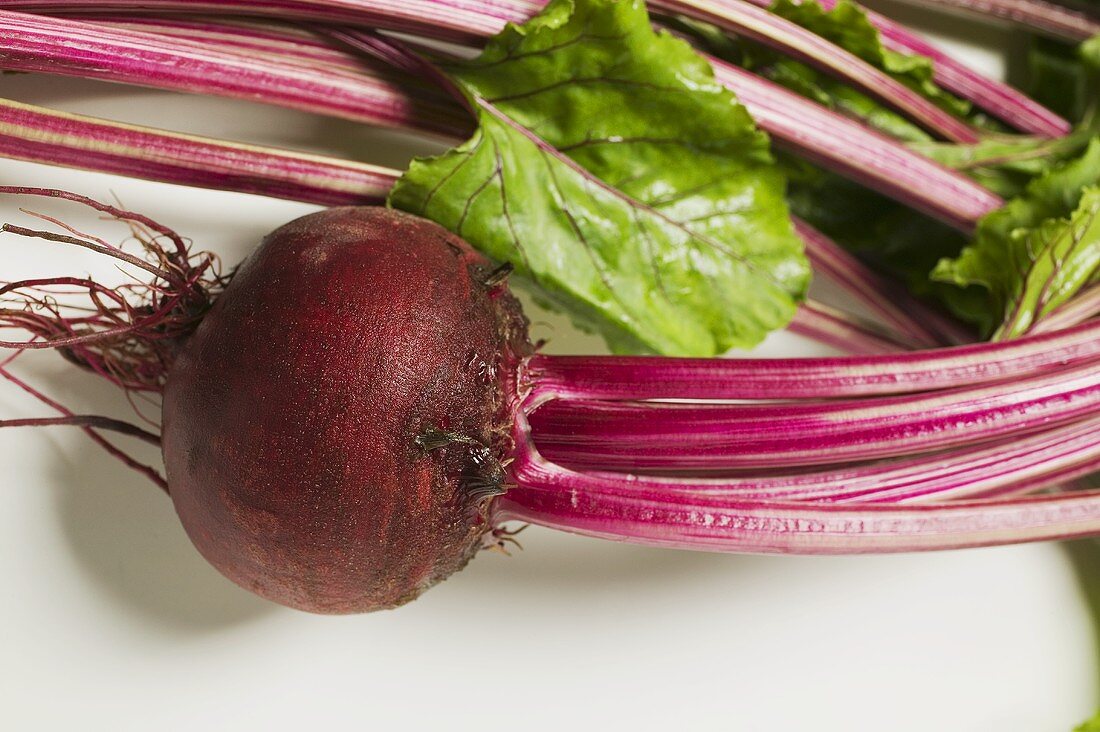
111, 621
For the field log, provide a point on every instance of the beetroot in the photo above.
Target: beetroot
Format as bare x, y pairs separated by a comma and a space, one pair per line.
357, 411
325, 449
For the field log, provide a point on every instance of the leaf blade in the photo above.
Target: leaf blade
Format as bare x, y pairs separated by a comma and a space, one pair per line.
1039, 250
618, 175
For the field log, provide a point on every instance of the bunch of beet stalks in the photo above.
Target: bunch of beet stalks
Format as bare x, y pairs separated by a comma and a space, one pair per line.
454, 425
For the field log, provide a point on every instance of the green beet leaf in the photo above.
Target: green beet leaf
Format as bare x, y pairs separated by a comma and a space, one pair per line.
801, 79
847, 26
1039, 250
621, 179
1007, 164
1090, 53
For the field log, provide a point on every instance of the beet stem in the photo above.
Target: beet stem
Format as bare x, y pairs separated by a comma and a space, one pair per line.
614, 508
810, 130
846, 332
641, 377
1038, 16
719, 437
1003, 467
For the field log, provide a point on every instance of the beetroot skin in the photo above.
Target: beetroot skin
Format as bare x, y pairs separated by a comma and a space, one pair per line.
334, 429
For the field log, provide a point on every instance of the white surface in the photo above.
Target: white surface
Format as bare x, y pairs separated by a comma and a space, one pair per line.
113, 622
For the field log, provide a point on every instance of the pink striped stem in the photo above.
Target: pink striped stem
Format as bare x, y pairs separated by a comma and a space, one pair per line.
252, 34
71, 48
39, 135
613, 507
1085, 306
461, 20
1004, 467
1009, 105
458, 23
998, 99
856, 152
908, 317
640, 377
757, 24
454, 22
724, 437
845, 332
1026, 465
798, 124
1046, 18
56, 138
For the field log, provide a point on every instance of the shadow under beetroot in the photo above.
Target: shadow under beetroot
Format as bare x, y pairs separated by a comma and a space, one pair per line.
124, 534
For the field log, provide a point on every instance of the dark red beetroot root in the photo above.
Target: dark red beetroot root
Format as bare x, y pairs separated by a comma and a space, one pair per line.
333, 431
336, 424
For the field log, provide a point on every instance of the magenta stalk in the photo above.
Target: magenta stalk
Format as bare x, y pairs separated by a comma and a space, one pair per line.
1009, 105
45, 136
633, 378
611, 507
650, 437
49, 45
1005, 467
252, 35
844, 332
999, 468
908, 317
460, 21
850, 149
806, 128
1046, 18
998, 99
39, 135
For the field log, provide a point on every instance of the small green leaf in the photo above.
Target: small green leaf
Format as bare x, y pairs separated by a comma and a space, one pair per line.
1039, 250
1090, 53
618, 176
841, 98
847, 26
1007, 164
